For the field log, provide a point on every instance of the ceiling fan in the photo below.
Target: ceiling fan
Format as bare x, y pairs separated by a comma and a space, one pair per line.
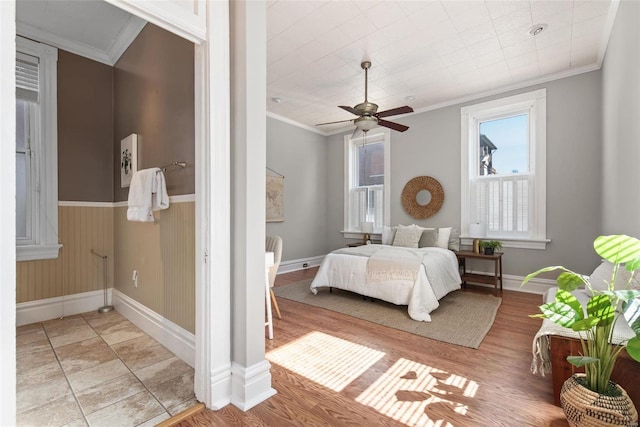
367, 112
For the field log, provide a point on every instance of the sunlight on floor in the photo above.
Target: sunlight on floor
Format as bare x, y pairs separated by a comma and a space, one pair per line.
329, 361
419, 395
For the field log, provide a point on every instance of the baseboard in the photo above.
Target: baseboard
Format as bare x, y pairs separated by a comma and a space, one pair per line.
181, 342
513, 283
299, 264
51, 308
251, 385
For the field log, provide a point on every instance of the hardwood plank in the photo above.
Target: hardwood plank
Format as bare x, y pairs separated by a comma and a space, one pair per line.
500, 389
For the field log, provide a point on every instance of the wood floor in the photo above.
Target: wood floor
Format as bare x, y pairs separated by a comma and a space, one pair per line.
439, 384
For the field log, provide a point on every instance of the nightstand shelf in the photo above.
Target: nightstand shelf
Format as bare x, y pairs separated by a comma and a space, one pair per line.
485, 279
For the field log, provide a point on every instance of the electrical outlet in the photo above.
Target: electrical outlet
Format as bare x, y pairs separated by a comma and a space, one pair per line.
305, 265
135, 278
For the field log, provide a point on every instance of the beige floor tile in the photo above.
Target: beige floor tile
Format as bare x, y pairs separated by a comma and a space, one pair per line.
135, 344
32, 346
98, 374
128, 412
86, 360
35, 359
59, 412
175, 391
120, 332
162, 371
173, 410
95, 344
37, 395
80, 422
155, 421
98, 320
38, 375
102, 395
28, 338
145, 357
71, 335
56, 327
27, 329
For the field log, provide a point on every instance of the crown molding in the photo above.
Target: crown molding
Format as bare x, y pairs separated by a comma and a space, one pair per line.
297, 124
128, 34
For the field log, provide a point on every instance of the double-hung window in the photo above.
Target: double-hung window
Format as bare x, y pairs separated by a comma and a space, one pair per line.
503, 146
366, 194
36, 151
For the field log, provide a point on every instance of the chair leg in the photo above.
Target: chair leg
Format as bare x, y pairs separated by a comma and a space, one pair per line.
275, 304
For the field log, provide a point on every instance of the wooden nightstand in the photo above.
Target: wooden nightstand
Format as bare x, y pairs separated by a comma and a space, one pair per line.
355, 245
487, 279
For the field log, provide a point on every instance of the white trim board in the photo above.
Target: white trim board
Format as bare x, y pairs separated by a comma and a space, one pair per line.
178, 340
180, 198
50, 308
298, 264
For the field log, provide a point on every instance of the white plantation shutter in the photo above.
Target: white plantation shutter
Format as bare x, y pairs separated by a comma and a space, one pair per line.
504, 204
27, 77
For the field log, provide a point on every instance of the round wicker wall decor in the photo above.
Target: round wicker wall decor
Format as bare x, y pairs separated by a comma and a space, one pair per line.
410, 192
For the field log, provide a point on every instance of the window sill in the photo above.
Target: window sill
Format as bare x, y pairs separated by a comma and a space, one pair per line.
37, 252
539, 244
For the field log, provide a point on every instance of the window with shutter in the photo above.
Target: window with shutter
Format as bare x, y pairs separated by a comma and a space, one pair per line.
36, 151
503, 146
366, 178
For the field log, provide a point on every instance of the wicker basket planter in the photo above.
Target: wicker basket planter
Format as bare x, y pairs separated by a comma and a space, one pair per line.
586, 408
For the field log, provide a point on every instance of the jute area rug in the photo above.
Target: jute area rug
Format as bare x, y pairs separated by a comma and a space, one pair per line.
463, 318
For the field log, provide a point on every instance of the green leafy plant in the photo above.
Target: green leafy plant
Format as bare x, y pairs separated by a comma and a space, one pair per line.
493, 244
604, 308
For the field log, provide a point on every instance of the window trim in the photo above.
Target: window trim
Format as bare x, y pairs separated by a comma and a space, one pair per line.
46, 160
535, 104
350, 179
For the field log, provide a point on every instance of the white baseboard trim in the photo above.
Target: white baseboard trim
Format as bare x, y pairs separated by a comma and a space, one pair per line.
220, 387
298, 264
250, 385
51, 308
181, 342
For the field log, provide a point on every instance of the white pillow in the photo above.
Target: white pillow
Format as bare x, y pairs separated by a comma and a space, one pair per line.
443, 237
454, 240
407, 237
388, 233
601, 276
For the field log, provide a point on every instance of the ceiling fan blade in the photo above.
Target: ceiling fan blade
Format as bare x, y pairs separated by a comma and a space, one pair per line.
349, 109
392, 125
330, 123
394, 111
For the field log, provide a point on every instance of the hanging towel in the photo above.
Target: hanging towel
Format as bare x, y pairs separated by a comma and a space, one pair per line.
148, 193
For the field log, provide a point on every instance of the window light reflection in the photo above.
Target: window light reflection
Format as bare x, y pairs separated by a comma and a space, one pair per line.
327, 360
419, 395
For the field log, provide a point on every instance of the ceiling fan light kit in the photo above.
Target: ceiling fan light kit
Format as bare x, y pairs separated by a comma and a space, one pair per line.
367, 112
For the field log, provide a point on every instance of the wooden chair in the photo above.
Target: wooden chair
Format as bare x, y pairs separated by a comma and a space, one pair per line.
274, 244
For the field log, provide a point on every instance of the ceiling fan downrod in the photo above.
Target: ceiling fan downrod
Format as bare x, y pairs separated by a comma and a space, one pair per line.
365, 66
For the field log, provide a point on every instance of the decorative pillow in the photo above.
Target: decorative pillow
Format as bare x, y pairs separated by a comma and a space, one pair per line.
429, 238
443, 237
454, 240
601, 276
407, 236
388, 233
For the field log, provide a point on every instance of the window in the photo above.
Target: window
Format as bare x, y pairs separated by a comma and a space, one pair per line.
36, 151
503, 145
366, 197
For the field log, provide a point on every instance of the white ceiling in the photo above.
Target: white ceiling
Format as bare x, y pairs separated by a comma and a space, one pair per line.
438, 52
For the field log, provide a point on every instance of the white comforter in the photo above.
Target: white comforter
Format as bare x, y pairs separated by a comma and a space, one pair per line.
437, 276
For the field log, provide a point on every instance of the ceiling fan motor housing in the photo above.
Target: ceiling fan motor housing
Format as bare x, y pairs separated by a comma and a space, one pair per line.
366, 108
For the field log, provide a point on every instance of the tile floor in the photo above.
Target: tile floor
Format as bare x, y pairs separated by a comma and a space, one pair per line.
97, 370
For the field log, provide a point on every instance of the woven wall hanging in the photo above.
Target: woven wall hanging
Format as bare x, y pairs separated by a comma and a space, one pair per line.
410, 192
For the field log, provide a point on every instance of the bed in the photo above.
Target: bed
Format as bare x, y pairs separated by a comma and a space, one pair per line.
415, 277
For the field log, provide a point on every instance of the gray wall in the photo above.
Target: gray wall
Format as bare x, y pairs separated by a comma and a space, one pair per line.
300, 155
432, 147
621, 124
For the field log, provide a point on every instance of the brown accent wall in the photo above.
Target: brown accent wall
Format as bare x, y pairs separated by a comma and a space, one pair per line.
163, 254
85, 129
75, 270
154, 98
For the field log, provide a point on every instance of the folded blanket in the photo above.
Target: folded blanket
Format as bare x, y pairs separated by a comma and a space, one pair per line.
393, 263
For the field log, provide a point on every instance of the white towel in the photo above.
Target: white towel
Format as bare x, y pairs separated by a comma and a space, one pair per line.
148, 193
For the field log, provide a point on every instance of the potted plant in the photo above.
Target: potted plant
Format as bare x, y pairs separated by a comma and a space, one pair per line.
490, 246
594, 325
